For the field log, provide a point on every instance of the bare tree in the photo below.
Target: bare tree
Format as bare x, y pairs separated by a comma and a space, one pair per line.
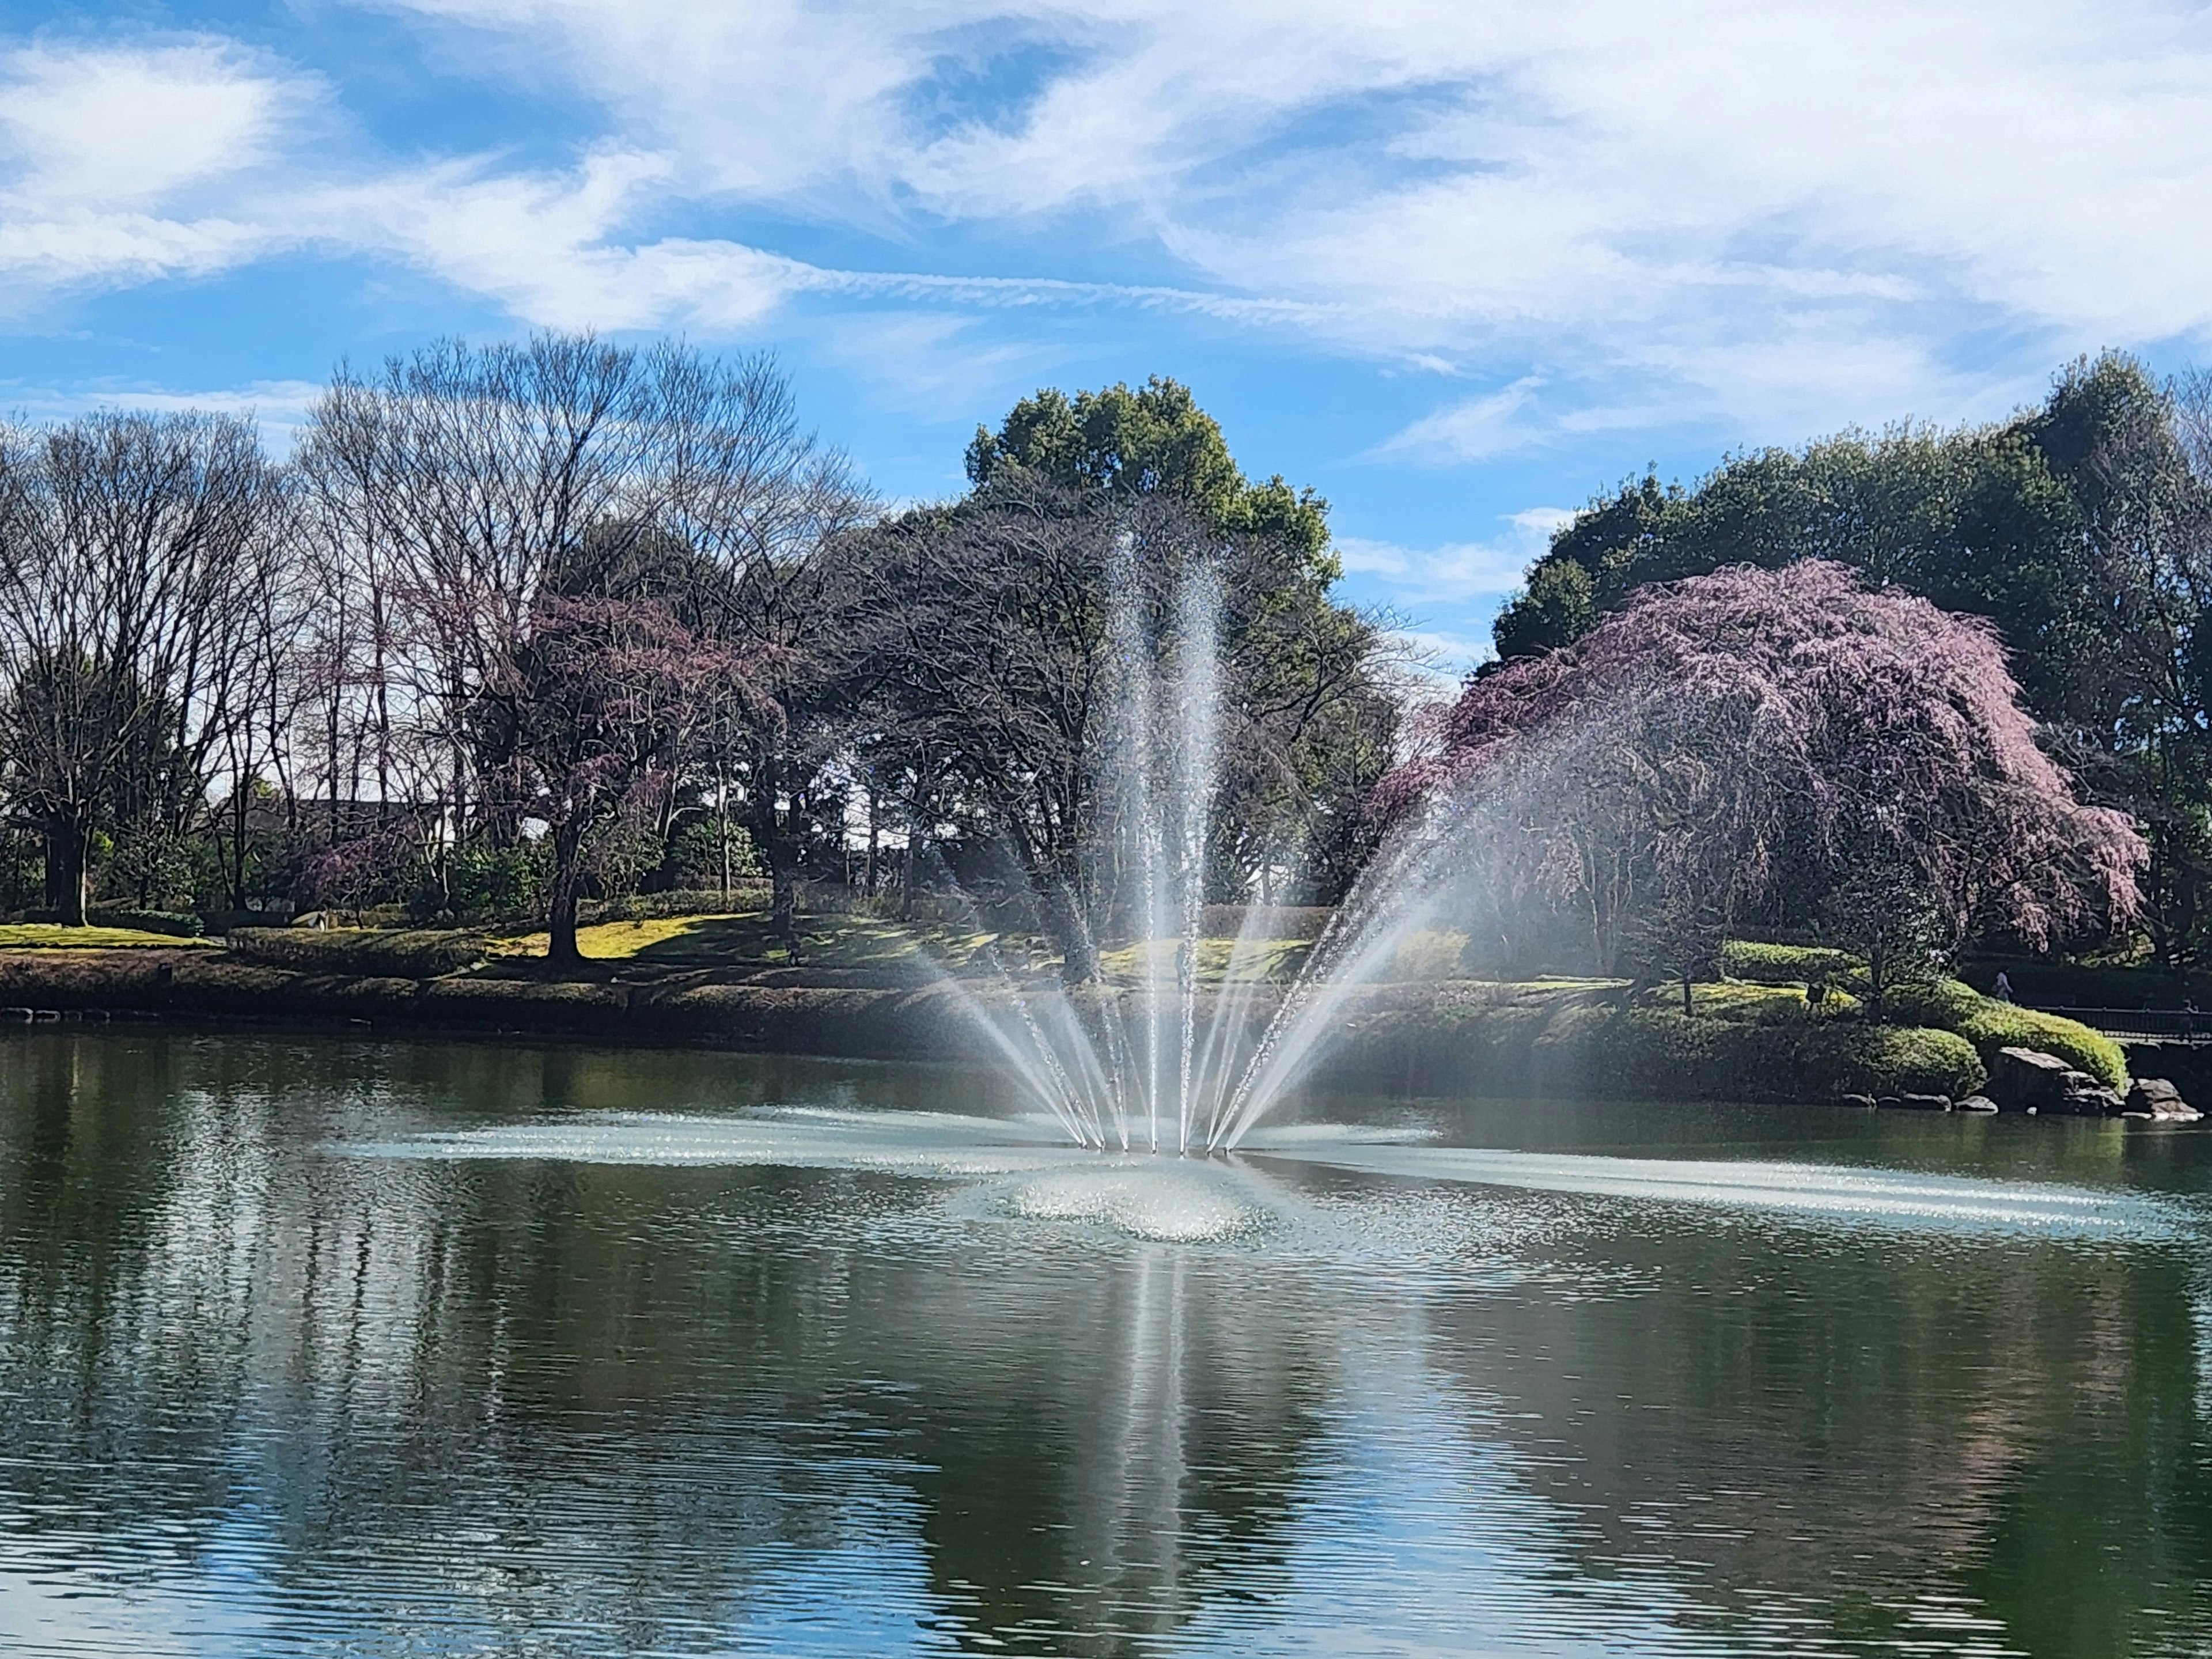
454, 489
131, 550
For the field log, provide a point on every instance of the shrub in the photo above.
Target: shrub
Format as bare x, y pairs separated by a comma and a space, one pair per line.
749, 894
1991, 1025
409, 954
182, 924
1580, 1044
497, 881
1786, 964
1847, 1057
695, 855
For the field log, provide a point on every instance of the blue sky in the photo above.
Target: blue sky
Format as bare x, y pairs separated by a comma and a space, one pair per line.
1457, 264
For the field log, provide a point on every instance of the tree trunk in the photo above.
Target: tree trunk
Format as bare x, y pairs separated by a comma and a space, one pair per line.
783, 902
1687, 1006
767, 829
560, 908
68, 836
868, 880
1064, 920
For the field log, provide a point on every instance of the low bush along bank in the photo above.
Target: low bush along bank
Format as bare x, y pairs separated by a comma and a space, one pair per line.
179, 924
1754, 1038
1786, 964
1949, 1005
1600, 1042
401, 953
1991, 1025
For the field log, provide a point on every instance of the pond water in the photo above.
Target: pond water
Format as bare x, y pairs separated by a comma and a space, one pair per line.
328, 1347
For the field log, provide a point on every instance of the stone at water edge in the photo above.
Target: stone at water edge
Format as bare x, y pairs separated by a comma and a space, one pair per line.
1924, 1103
2027, 1078
2155, 1097
1977, 1104
1862, 1102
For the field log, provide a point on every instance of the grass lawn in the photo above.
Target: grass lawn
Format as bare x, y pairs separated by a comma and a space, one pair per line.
52, 936
743, 940
1218, 960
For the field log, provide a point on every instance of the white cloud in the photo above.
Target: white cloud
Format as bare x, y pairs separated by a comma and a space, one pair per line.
1476, 429
1448, 593
107, 127
1767, 216
1771, 219
1456, 573
122, 164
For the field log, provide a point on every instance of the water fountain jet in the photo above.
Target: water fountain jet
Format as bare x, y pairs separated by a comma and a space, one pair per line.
1167, 1065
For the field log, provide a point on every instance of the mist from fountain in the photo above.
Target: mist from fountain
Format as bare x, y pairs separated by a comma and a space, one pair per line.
1166, 1064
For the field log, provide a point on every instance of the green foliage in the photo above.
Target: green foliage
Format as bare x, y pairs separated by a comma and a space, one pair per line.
177, 924
695, 856
1581, 1044
147, 859
486, 882
1153, 438
408, 953
1558, 607
1946, 1004
1786, 964
1991, 1025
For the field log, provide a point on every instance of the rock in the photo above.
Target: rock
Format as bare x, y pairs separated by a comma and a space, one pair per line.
2089, 1098
1890, 1102
2155, 1097
1864, 1103
1926, 1102
1977, 1104
2027, 1079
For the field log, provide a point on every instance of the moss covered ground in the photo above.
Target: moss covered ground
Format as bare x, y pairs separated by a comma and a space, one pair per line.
52, 936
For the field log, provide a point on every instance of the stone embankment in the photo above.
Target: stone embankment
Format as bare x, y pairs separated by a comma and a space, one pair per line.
2028, 1080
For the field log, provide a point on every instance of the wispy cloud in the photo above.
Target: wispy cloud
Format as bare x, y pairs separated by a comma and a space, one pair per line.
1448, 593
1765, 220
1476, 429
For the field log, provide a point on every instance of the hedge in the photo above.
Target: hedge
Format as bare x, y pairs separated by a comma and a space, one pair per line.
1582, 1046
1991, 1025
1786, 965
423, 953
180, 924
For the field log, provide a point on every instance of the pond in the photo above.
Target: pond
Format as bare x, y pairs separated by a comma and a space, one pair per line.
318, 1345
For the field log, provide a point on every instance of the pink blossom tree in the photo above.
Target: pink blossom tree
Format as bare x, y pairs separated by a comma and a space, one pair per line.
1735, 745
599, 704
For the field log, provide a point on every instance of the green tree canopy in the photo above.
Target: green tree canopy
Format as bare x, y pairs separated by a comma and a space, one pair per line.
1154, 438
2082, 528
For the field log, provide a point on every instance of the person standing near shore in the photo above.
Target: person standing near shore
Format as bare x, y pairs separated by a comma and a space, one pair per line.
2002, 989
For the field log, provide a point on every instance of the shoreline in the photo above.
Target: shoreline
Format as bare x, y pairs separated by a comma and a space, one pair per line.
1469, 1039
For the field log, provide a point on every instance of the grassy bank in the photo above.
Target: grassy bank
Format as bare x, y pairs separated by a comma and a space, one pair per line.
867, 986
1534, 1039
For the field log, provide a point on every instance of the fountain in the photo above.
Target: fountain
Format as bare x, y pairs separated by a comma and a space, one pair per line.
1163, 1066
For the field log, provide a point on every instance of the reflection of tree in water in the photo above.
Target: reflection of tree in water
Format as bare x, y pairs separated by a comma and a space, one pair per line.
1833, 1427
1111, 1445
667, 1407
632, 1401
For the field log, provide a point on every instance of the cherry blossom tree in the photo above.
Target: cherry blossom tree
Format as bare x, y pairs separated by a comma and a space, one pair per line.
600, 704
1731, 747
